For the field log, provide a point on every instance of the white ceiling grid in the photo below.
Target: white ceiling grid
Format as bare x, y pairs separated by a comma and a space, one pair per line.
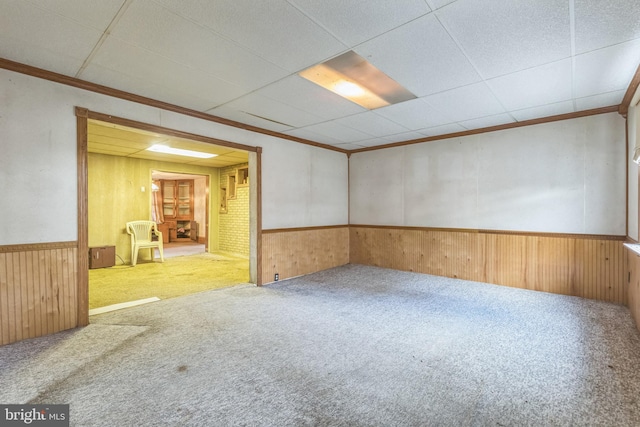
472, 63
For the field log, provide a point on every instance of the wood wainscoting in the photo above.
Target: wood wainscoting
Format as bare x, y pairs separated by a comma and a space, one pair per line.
297, 251
38, 290
633, 276
579, 265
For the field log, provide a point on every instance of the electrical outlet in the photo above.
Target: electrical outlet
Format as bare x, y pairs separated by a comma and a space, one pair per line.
276, 277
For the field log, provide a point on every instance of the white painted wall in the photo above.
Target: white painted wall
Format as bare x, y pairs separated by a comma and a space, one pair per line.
565, 177
38, 162
307, 186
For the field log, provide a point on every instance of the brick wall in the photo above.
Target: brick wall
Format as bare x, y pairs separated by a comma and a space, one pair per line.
234, 224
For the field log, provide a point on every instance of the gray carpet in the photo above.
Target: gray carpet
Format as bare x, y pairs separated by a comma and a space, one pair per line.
351, 346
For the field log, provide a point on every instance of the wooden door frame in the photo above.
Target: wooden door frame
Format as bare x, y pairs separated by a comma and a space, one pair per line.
83, 115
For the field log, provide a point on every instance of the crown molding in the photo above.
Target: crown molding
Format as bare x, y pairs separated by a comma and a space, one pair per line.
128, 96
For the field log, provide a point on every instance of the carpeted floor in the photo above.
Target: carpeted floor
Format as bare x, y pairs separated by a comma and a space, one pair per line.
178, 275
350, 346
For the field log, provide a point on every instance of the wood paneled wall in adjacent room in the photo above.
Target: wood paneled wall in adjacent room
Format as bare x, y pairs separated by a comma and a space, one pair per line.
584, 266
633, 275
38, 285
298, 251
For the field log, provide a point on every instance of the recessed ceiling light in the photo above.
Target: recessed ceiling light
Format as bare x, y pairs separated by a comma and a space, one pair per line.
347, 89
159, 148
352, 77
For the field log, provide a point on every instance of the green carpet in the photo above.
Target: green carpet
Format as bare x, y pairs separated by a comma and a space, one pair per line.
174, 277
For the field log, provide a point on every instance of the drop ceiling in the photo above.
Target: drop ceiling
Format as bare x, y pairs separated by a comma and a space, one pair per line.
471, 63
116, 140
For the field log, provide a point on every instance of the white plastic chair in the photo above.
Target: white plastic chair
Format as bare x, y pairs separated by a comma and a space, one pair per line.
141, 232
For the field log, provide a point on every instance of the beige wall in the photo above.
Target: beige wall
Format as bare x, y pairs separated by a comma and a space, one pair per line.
115, 196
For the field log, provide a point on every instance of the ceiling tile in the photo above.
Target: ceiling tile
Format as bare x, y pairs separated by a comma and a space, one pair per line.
306, 96
415, 114
601, 23
405, 136
372, 124
111, 148
437, 4
356, 21
98, 14
310, 135
43, 38
485, 122
606, 70
503, 36
156, 29
601, 100
543, 111
269, 109
373, 142
546, 84
266, 28
242, 117
466, 103
443, 130
141, 86
143, 64
421, 56
337, 131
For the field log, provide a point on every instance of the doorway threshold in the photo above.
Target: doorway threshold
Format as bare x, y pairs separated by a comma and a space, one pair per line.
120, 306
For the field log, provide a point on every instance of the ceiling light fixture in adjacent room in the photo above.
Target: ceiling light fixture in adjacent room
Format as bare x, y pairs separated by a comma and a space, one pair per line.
352, 77
159, 148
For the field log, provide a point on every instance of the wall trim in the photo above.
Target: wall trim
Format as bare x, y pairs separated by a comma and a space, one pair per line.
549, 119
128, 96
509, 232
37, 246
631, 91
286, 230
82, 173
455, 230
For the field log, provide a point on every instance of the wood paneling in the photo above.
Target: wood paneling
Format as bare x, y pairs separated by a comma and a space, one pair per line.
584, 266
38, 292
633, 277
81, 278
295, 252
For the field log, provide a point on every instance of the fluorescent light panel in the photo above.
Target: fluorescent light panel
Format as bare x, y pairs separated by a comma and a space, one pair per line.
159, 148
352, 77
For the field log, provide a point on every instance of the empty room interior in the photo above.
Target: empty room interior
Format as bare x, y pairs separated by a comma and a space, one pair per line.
428, 211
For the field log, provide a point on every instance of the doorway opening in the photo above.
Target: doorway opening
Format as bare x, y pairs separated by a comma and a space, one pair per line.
126, 182
180, 207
